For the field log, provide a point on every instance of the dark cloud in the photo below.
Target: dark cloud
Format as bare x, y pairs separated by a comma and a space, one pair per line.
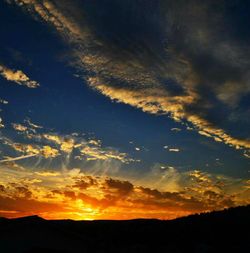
70, 194
24, 192
122, 187
22, 207
85, 182
2, 188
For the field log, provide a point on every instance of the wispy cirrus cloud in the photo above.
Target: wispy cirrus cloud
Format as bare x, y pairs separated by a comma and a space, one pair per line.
12, 159
88, 149
35, 141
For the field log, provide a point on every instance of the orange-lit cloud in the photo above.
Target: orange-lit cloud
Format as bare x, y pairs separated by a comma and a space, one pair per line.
19, 127
18, 77
73, 194
36, 142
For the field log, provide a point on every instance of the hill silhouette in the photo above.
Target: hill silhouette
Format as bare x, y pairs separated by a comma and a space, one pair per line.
222, 231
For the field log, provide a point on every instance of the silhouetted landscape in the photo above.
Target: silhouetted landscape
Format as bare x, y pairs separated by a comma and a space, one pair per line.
222, 231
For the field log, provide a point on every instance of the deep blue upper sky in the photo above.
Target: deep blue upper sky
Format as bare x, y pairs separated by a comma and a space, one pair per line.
65, 103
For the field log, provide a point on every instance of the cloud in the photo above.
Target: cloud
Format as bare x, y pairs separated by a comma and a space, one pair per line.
94, 153
85, 182
174, 150
27, 207
172, 60
247, 154
29, 150
91, 149
176, 129
27, 129
32, 125
11, 159
18, 77
74, 194
1, 123
35, 141
123, 188
49, 152
171, 149
66, 144
2, 101
19, 127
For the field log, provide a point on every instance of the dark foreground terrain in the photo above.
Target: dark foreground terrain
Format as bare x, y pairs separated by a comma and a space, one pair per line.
224, 231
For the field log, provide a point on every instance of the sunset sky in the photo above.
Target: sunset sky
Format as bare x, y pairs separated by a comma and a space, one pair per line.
121, 109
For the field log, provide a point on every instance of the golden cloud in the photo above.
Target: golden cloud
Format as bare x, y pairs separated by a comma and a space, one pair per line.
18, 77
19, 127
30, 150
88, 149
51, 145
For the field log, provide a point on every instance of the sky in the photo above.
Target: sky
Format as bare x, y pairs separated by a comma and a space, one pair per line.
115, 109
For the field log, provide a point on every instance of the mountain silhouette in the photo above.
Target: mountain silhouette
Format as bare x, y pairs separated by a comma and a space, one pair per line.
221, 231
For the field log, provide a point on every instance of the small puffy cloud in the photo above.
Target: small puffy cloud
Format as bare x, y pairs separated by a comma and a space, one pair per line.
27, 129
95, 142
18, 77
49, 152
19, 127
247, 154
1, 123
30, 150
176, 129
2, 101
171, 149
66, 144
174, 150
